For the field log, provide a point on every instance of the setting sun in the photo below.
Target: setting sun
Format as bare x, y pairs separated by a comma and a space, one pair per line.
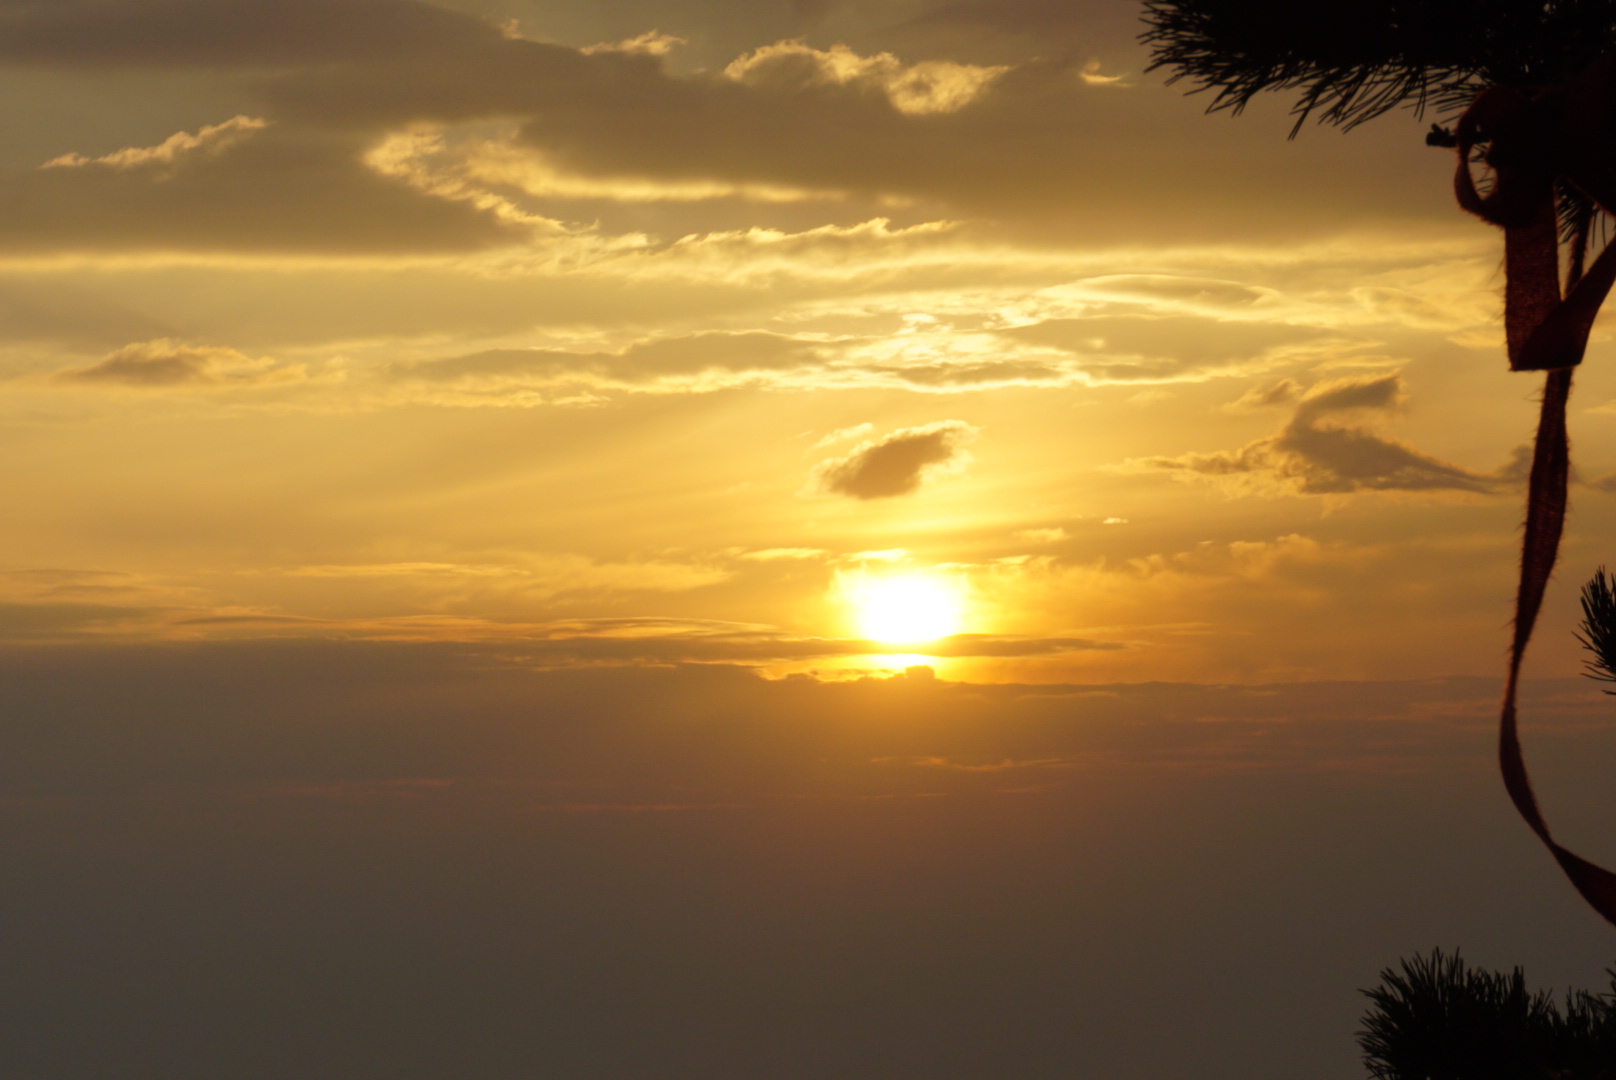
907, 609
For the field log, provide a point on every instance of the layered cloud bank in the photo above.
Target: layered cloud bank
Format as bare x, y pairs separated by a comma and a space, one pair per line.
317, 164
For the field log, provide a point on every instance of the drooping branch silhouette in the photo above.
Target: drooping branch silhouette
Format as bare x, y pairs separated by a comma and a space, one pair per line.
1536, 83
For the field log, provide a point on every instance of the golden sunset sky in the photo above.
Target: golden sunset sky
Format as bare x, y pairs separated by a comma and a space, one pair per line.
585, 323
456, 453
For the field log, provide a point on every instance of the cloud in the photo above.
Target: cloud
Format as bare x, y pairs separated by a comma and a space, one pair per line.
1093, 76
1316, 455
855, 431
149, 612
422, 158
935, 357
886, 555
784, 554
211, 139
1376, 392
1027, 141
1211, 295
285, 189
898, 463
650, 43
385, 65
927, 87
1153, 348
660, 641
165, 362
473, 158
970, 374
415, 600
52, 604
456, 332
1283, 392
307, 188
945, 362
324, 703
693, 363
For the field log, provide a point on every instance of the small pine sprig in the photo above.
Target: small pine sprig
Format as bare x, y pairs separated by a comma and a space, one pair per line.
1597, 631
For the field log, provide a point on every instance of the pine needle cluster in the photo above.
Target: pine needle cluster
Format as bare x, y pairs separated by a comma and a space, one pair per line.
1352, 62
1437, 1019
1597, 631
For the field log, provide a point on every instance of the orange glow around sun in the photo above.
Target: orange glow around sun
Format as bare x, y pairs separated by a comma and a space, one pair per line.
907, 608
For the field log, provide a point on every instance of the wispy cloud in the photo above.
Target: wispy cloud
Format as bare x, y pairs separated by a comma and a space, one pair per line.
210, 139
792, 554
650, 43
1092, 75
165, 363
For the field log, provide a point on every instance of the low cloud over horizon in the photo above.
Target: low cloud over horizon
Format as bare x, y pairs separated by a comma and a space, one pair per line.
395, 845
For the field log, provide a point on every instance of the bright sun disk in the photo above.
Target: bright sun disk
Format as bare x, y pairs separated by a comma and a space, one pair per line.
907, 609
